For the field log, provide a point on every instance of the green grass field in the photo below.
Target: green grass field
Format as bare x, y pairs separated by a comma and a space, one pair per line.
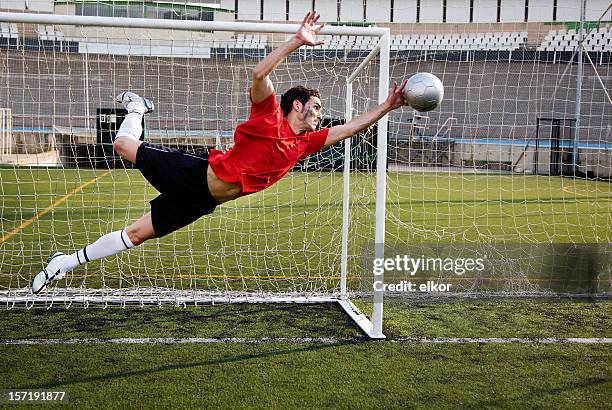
253, 242
343, 374
290, 231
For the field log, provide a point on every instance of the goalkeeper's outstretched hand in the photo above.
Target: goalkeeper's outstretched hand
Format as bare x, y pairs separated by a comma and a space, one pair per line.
396, 97
307, 31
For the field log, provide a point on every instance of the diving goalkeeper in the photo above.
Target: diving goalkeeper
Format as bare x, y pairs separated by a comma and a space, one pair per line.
266, 147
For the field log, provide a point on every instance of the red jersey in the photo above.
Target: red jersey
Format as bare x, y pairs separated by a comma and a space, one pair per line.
265, 148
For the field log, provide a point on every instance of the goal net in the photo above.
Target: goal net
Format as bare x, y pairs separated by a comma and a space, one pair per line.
63, 188
513, 169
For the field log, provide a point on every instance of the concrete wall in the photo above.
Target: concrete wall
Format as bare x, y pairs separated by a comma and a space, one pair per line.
249, 10
568, 10
457, 11
485, 11
380, 10
521, 158
597, 160
595, 8
405, 12
430, 12
298, 9
44, 6
327, 9
275, 10
541, 10
351, 10
489, 100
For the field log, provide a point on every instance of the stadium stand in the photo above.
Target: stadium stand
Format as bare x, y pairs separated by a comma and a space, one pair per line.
8, 30
249, 41
599, 39
479, 110
49, 33
503, 41
467, 41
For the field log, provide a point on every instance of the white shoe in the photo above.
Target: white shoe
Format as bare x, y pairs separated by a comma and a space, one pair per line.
127, 97
50, 273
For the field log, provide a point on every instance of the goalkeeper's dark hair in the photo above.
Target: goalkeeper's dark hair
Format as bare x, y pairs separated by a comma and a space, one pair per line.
300, 93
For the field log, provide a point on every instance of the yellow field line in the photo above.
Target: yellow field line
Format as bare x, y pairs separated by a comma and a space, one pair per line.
568, 189
58, 202
573, 190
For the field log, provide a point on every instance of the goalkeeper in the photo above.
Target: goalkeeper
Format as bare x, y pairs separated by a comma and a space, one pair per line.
266, 147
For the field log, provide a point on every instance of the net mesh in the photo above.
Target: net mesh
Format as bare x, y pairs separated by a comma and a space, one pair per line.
283, 242
501, 170
491, 173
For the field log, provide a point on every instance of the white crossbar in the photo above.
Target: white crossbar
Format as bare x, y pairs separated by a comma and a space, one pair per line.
181, 24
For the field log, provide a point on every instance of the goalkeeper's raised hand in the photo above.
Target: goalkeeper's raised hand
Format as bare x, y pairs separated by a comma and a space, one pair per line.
307, 31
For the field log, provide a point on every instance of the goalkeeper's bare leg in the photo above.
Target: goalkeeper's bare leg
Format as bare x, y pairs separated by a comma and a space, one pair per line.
126, 144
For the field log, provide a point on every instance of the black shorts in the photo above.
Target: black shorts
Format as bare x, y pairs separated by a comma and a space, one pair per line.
180, 177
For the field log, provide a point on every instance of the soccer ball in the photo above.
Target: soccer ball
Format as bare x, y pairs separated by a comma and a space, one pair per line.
424, 91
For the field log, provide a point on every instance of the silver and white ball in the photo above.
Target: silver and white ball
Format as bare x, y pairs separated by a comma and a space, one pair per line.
424, 91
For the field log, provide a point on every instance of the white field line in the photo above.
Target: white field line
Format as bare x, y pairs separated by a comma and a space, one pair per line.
196, 340
171, 340
493, 340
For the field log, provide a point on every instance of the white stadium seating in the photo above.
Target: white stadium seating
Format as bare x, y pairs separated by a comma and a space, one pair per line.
599, 39
559, 40
248, 41
464, 41
49, 33
8, 30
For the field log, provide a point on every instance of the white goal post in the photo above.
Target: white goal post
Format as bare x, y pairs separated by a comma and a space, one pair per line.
378, 50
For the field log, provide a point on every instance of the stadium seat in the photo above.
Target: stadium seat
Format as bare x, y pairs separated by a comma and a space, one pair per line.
568, 40
8, 30
406, 43
49, 33
395, 42
42, 32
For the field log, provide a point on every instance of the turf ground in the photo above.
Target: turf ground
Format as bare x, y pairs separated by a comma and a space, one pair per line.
257, 236
348, 373
345, 371
448, 205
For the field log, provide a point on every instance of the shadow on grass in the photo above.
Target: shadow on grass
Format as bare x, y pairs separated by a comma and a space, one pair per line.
239, 358
219, 321
539, 395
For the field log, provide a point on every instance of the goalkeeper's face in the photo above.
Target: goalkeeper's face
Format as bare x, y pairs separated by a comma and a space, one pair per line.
312, 113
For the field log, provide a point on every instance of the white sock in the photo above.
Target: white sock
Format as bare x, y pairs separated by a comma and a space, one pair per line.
107, 245
131, 126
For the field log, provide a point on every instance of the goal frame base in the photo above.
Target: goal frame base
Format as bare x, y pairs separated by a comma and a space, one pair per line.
159, 296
